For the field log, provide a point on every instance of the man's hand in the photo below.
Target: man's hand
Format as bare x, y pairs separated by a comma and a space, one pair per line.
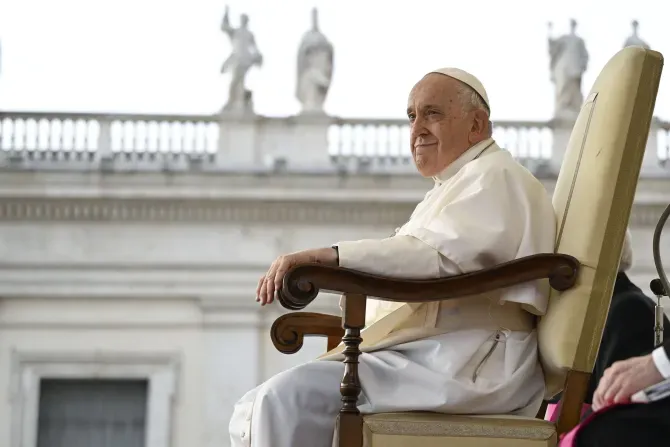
625, 378
272, 280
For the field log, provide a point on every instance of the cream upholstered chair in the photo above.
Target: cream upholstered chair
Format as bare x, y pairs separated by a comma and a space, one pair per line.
593, 199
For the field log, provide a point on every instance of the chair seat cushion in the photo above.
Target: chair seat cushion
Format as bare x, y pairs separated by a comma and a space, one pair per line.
418, 429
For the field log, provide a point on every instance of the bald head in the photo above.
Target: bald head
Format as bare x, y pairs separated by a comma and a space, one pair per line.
447, 117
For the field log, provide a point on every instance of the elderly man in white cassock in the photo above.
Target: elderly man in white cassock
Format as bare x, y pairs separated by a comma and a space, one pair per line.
473, 355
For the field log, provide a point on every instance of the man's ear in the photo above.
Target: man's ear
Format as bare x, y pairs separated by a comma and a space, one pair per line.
481, 126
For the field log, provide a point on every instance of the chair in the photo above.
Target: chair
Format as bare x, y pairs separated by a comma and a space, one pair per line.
593, 199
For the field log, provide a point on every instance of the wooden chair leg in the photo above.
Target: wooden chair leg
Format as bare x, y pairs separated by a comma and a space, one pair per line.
576, 386
351, 421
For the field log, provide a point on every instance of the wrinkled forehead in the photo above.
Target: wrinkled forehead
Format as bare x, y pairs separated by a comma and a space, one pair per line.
433, 88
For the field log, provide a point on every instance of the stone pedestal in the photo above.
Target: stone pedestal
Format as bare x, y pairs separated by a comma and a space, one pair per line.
310, 142
650, 163
295, 143
561, 130
238, 135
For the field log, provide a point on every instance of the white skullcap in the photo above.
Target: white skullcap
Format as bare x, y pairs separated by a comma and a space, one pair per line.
467, 79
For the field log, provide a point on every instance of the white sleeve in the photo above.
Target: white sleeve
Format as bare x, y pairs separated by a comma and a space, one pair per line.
661, 361
404, 257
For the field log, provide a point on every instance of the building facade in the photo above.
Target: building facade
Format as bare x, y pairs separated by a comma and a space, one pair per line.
131, 247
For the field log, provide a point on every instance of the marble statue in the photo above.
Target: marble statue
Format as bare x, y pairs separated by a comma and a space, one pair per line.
315, 68
244, 55
568, 62
634, 40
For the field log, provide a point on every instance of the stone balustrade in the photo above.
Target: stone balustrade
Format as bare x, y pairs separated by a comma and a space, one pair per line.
219, 142
90, 139
386, 142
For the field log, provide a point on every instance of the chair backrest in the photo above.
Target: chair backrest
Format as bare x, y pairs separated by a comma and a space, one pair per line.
593, 200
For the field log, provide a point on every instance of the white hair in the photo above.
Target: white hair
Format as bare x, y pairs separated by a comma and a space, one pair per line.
627, 253
470, 99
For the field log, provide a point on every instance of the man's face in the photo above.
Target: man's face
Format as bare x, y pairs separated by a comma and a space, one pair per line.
440, 131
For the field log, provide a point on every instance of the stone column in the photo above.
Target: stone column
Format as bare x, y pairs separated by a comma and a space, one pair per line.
232, 360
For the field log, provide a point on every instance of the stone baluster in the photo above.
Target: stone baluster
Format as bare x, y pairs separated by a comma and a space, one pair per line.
104, 144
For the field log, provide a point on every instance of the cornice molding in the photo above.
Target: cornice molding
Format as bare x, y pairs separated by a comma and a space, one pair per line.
207, 211
200, 211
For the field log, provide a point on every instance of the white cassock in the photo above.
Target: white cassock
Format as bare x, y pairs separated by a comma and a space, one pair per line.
473, 355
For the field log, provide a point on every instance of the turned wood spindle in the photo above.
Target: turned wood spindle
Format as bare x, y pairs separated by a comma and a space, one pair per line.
351, 421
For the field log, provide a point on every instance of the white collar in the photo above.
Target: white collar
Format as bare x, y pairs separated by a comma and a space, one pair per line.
466, 157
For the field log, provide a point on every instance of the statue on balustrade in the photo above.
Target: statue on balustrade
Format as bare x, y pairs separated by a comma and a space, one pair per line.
315, 68
568, 62
634, 40
243, 57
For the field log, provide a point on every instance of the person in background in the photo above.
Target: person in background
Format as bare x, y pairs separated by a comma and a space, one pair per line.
628, 332
627, 362
619, 423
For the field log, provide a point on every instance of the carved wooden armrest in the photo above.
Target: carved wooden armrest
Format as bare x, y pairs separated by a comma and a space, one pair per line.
288, 331
302, 283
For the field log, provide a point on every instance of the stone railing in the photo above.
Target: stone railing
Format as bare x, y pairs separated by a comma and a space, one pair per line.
387, 141
88, 138
137, 142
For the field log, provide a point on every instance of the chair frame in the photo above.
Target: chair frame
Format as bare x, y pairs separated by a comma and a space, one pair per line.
302, 284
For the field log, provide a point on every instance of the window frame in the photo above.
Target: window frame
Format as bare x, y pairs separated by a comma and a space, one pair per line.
28, 369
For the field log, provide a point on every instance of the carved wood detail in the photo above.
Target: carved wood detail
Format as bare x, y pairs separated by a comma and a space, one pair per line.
302, 283
351, 421
288, 331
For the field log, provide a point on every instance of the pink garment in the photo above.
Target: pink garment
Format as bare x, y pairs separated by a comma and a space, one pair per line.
568, 439
552, 412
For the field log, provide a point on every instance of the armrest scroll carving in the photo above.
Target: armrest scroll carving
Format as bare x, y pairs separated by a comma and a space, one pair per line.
288, 331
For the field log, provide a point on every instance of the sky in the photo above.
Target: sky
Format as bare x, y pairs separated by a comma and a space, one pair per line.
164, 56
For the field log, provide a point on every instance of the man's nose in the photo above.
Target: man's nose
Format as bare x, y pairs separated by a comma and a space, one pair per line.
417, 129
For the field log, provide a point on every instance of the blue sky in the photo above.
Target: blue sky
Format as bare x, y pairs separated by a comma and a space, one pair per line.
153, 56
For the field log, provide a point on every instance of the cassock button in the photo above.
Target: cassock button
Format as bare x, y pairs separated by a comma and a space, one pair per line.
244, 434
